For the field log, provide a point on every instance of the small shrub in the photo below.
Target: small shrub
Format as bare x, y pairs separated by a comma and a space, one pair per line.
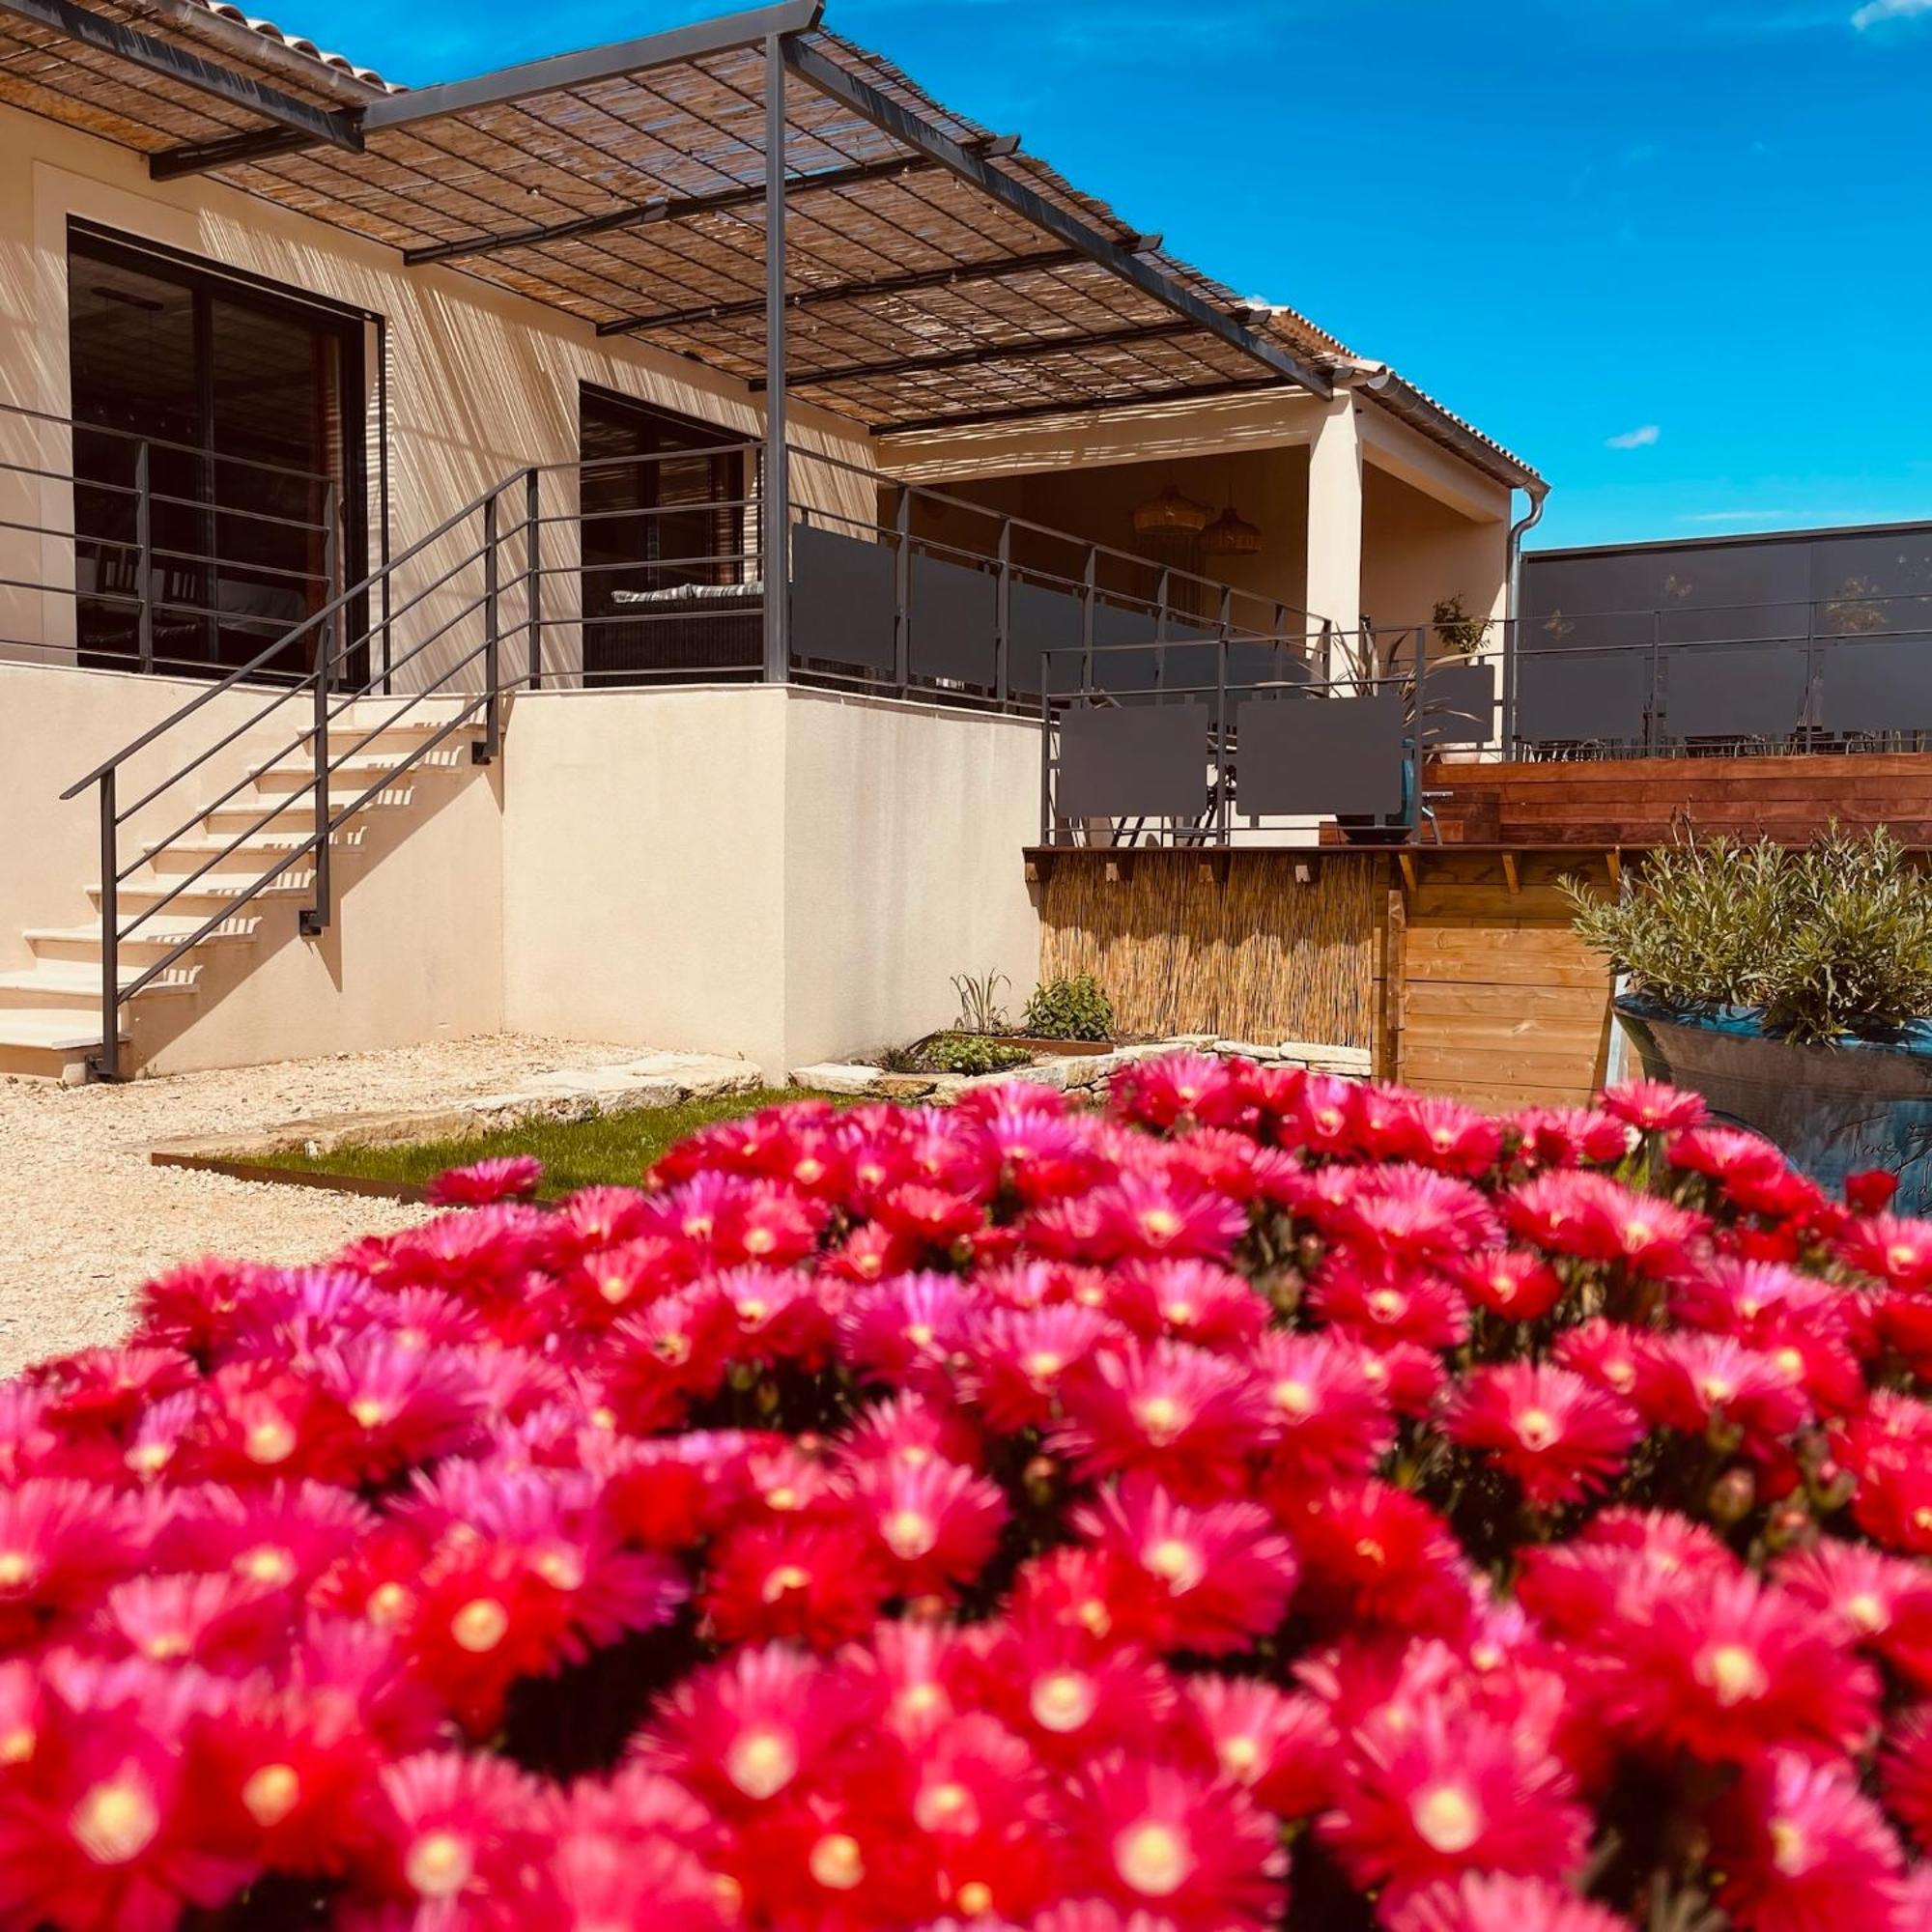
979, 1008
1457, 629
1074, 1009
898, 1059
970, 1053
1836, 938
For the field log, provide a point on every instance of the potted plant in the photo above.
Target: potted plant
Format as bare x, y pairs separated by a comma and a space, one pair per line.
1790, 987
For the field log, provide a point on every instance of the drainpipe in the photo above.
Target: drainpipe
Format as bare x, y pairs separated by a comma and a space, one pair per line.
1539, 494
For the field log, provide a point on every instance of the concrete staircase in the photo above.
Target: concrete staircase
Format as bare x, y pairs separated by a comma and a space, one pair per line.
50, 1011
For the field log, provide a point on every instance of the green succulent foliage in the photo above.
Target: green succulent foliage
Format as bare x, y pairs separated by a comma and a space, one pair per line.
1074, 1009
1829, 939
970, 1053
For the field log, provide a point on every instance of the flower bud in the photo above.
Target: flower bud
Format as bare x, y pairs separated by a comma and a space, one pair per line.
1731, 1496
1790, 1527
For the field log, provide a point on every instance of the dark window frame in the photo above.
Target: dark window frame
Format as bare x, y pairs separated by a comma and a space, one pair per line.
206, 281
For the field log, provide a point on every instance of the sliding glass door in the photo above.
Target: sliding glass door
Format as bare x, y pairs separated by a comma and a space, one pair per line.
217, 451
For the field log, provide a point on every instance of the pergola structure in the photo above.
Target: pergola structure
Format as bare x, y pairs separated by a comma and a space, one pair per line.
898, 265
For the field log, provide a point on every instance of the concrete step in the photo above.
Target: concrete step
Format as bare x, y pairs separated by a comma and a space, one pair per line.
360, 772
51, 1030
146, 943
276, 813
69, 983
206, 894
244, 859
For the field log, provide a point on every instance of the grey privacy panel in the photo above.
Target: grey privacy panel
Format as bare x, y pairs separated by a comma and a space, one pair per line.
954, 613
1189, 658
1312, 756
1459, 705
1877, 684
1133, 761
1040, 620
1252, 664
843, 598
1751, 693
1732, 593
1122, 671
1570, 695
1594, 600
1873, 581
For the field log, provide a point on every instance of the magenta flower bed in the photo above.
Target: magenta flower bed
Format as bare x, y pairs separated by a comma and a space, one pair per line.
1269, 1502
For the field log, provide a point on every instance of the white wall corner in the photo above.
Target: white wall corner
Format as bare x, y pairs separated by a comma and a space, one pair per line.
1334, 585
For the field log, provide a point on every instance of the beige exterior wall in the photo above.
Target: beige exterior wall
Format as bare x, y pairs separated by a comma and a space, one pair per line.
1432, 527
788, 874
643, 855
904, 827
57, 723
785, 873
415, 952
1417, 550
480, 382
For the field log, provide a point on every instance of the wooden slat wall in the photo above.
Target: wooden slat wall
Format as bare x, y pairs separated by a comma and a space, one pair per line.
1501, 1004
1236, 945
1647, 801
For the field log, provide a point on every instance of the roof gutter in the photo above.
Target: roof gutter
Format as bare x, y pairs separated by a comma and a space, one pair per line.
1405, 401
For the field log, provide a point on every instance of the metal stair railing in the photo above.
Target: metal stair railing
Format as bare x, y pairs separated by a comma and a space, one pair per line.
329, 699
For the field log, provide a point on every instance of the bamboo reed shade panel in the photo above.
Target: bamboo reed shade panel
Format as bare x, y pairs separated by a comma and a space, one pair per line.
1033, 338
83, 86
1259, 956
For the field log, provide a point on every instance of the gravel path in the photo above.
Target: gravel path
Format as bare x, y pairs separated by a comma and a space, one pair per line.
85, 1220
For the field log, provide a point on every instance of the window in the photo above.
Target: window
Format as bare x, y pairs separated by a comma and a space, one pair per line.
666, 544
222, 420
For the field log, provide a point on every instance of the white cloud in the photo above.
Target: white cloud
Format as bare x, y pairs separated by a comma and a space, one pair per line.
1734, 517
1875, 13
1633, 438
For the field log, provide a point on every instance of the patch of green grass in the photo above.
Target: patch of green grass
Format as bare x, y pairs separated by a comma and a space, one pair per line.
614, 1149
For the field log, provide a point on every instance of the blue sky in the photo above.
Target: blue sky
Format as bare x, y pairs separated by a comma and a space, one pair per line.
1678, 253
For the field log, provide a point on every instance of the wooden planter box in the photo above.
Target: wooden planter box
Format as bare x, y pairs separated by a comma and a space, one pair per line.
1057, 1049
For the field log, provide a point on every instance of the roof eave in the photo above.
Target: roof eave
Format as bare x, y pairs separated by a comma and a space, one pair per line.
1422, 411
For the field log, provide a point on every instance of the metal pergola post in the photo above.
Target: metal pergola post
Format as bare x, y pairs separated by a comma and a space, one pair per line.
777, 508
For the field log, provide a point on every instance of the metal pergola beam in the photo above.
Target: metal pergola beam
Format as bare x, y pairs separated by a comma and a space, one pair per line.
891, 118
189, 69
672, 208
196, 158
1084, 407
774, 471
989, 352
725, 34
965, 276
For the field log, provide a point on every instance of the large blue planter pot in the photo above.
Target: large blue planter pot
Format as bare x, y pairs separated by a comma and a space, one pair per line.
1834, 1110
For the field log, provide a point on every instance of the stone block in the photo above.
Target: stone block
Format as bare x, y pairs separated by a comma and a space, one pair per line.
835, 1077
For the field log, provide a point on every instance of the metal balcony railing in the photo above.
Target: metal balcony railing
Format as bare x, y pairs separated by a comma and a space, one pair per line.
1205, 743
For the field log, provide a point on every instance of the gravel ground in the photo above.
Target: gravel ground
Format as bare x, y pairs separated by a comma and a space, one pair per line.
85, 1220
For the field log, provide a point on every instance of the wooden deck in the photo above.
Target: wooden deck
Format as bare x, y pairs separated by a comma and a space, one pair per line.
1638, 801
